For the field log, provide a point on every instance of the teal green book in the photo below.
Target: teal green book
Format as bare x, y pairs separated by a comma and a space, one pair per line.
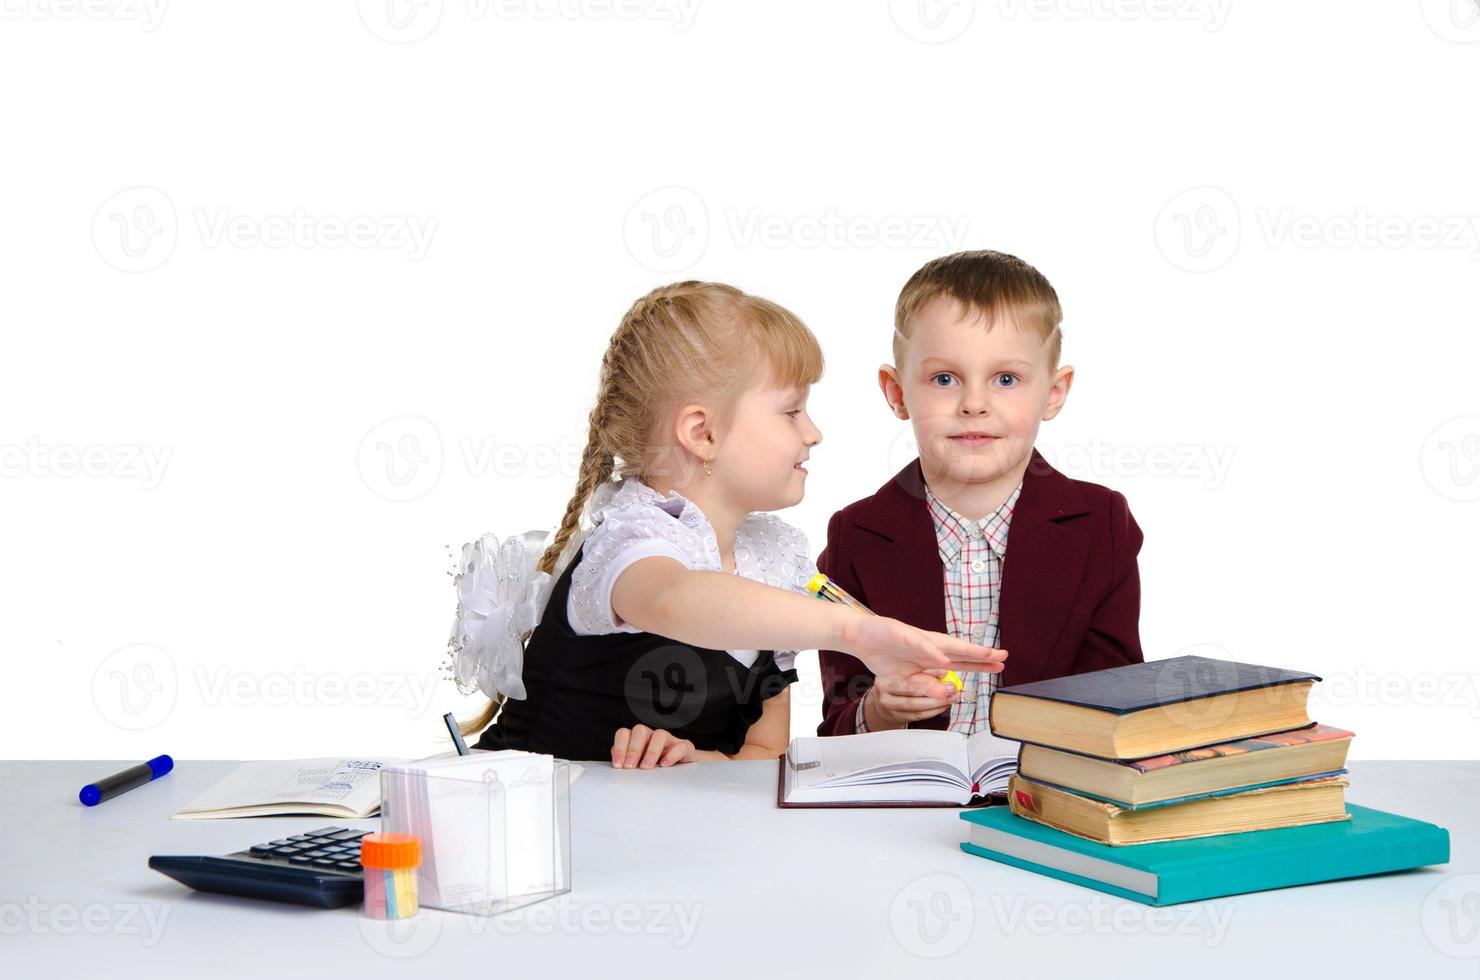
1171, 872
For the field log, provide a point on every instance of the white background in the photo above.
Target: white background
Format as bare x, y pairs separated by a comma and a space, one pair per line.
236, 447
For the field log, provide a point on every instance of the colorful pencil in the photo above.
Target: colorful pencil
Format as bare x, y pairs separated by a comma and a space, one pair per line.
825, 588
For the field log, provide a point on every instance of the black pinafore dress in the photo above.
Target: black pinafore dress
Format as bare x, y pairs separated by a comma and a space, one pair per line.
581, 689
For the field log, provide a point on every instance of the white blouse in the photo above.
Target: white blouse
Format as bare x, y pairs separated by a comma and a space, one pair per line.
634, 521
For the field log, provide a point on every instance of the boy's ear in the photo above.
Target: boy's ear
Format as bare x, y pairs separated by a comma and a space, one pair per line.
1058, 390
893, 390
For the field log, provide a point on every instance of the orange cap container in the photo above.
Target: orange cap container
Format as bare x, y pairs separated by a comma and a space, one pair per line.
390, 851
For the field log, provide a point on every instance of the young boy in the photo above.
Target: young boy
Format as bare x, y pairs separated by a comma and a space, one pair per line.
976, 351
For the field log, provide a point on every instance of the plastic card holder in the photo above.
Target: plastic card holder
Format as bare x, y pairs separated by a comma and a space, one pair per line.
494, 829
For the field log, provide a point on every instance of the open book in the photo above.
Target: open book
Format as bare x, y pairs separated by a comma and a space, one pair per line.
896, 768
345, 789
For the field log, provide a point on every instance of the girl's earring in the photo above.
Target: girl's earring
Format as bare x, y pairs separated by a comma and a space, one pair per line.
707, 470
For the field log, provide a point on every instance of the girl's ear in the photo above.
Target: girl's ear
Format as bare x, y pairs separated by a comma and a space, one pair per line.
893, 390
694, 431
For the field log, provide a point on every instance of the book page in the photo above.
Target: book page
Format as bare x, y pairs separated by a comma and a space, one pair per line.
993, 759
353, 783
878, 757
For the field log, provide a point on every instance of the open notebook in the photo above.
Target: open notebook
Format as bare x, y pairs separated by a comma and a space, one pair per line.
910, 767
344, 789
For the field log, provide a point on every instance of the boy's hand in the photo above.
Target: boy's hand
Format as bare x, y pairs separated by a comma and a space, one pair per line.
641, 747
888, 647
895, 701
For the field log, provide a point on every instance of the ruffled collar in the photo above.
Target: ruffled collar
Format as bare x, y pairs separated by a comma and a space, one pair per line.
615, 496
766, 548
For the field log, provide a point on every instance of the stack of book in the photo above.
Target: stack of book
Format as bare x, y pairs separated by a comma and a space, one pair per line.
1175, 748
1207, 766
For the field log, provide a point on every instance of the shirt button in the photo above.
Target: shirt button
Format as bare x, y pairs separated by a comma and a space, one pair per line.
978, 566
977, 632
976, 532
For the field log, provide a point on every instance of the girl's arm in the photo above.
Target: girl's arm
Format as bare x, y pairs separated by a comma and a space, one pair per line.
641, 747
767, 738
728, 612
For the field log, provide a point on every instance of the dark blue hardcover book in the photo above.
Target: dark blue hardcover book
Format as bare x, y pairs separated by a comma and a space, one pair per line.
1121, 690
1153, 708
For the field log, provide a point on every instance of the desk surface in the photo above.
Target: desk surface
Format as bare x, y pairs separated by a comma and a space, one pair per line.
693, 871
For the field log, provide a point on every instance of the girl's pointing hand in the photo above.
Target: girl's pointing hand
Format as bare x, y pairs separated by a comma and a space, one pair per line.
888, 646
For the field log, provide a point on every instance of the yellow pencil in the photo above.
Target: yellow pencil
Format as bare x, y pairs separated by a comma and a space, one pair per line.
825, 588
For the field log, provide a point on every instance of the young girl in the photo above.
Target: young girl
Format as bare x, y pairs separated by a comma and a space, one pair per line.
668, 633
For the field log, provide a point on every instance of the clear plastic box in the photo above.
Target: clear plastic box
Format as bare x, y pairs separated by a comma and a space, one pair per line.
495, 832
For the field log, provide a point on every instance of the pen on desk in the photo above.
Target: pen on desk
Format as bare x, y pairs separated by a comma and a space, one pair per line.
825, 588
457, 739
121, 782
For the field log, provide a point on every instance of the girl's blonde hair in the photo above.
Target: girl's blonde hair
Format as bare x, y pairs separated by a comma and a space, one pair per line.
690, 341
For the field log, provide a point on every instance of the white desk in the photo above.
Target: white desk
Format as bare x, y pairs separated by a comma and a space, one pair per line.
694, 872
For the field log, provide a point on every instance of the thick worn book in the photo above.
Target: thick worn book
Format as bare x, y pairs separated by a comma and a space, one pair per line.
909, 767
1317, 750
1371, 842
1282, 805
1153, 708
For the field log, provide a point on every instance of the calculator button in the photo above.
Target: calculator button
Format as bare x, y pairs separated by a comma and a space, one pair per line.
348, 865
301, 837
350, 834
325, 862
315, 854
287, 851
326, 831
261, 850
281, 843
300, 859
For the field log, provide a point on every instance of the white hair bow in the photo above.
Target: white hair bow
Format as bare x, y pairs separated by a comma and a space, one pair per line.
501, 595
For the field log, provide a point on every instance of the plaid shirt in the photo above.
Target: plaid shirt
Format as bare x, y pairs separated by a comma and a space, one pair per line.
971, 554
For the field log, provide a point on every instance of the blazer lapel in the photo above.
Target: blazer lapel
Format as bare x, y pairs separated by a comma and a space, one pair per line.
1041, 573
901, 577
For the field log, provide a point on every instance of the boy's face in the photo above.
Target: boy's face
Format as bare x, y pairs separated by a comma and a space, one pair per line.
975, 396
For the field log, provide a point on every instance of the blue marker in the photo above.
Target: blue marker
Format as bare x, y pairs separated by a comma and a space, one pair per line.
121, 782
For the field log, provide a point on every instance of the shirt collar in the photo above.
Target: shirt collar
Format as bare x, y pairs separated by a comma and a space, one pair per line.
615, 495
952, 530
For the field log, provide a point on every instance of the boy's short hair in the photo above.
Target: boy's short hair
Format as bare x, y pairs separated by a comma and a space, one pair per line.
988, 284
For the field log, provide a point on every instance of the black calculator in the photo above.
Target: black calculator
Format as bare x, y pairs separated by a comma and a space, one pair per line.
320, 868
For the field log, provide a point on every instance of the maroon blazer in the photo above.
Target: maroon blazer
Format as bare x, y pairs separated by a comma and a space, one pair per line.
1071, 594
